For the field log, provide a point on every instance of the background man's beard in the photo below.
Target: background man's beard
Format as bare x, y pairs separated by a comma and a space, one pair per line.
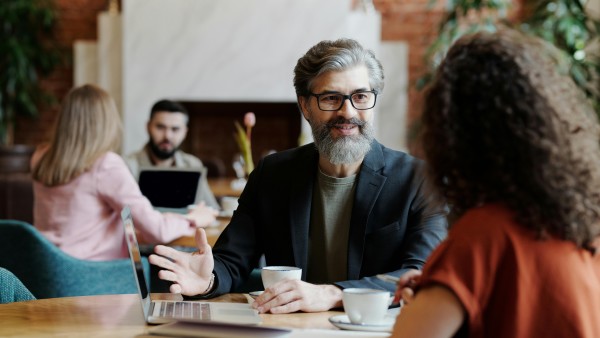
344, 149
162, 154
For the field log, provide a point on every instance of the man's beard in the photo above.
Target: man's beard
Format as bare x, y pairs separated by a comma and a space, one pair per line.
162, 154
344, 149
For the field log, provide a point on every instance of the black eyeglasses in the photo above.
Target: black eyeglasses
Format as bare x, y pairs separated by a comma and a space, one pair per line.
334, 101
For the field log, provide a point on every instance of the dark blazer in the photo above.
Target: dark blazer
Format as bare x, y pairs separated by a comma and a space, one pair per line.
394, 224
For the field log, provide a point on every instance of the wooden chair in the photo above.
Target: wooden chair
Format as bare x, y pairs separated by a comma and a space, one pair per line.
48, 272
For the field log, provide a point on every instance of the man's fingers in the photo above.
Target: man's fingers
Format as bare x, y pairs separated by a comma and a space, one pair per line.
166, 251
275, 290
175, 288
158, 260
201, 240
280, 302
162, 262
287, 308
167, 275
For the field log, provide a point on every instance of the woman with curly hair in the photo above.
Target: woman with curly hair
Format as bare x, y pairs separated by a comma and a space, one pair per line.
514, 147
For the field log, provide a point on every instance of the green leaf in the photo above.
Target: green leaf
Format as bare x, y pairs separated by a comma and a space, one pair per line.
564, 23
27, 51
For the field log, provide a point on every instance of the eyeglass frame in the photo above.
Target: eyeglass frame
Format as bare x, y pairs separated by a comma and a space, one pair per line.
346, 97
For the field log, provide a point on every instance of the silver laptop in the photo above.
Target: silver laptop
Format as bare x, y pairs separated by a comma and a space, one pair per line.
170, 189
163, 311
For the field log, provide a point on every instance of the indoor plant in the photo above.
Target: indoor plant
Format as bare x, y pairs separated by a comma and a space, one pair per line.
564, 23
243, 138
27, 51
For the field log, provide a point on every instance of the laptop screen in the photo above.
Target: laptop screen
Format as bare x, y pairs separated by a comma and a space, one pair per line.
136, 257
170, 188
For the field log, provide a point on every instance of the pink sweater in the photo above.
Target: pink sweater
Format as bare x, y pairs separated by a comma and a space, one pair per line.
83, 218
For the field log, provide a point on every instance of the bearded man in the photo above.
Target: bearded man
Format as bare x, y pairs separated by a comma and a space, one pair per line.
343, 209
167, 128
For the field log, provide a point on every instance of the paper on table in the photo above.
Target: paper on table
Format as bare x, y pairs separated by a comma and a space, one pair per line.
311, 333
217, 330
183, 329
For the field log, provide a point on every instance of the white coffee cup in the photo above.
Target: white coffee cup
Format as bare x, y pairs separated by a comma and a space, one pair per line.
365, 306
229, 204
273, 274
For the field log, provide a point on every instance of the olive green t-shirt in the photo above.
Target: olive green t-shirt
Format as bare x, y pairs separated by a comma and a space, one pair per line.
331, 210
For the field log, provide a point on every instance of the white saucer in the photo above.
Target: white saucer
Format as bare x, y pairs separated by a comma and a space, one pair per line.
255, 294
343, 322
225, 214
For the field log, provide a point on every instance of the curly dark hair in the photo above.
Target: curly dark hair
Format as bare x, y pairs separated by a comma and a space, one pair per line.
502, 124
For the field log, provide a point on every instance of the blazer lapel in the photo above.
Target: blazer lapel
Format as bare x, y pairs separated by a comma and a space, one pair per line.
300, 204
369, 185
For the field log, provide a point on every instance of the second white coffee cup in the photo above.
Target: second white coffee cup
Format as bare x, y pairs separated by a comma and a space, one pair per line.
365, 306
273, 274
229, 204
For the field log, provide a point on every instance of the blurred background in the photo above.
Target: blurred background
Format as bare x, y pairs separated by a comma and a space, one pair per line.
224, 58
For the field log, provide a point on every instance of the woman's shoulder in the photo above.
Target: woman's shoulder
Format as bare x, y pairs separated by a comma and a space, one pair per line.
108, 161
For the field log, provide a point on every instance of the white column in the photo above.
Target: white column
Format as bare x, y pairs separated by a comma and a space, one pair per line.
110, 76
85, 64
390, 117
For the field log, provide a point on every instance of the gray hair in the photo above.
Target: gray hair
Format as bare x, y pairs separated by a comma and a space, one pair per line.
336, 55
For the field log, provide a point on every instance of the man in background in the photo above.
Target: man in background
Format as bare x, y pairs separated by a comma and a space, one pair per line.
167, 128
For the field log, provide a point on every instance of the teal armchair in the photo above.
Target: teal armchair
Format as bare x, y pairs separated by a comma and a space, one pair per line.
11, 288
48, 272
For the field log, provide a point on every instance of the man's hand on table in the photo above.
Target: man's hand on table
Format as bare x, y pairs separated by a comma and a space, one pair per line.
295, 295
191, 273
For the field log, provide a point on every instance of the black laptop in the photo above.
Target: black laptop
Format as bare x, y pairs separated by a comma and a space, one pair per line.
170, 189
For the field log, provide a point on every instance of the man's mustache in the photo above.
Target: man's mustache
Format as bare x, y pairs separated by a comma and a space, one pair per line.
341, 120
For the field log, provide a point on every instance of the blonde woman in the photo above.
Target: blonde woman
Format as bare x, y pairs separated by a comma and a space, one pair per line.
81, 185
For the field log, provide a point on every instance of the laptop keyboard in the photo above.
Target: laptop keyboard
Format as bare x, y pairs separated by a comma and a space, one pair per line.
185, 310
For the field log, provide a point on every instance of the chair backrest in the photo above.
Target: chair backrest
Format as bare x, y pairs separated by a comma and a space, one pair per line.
11, 288
215, 167
16, 196
48, 272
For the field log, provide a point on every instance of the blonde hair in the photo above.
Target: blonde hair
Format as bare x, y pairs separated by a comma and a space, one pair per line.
88, 126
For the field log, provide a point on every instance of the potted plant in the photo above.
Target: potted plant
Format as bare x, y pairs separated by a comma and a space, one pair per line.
564, 23
27, 51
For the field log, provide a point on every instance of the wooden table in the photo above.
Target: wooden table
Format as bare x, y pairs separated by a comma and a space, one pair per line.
114, 316
212, 234
222, 187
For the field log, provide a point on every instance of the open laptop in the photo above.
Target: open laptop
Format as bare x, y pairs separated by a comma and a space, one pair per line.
163, 311
170, 189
